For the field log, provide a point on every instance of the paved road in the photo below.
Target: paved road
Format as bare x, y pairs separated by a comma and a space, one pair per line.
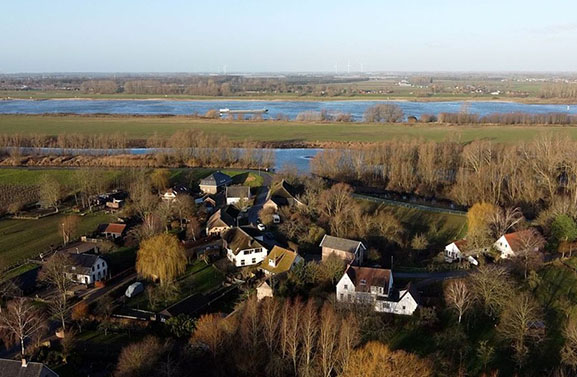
260, 198
427, 278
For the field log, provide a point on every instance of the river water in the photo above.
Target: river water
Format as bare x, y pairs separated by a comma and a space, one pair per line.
287, 108
298, 157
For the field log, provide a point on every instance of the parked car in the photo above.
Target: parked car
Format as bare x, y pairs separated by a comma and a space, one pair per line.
134, 289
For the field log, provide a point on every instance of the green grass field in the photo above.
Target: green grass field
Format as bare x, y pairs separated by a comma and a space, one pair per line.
33, 176
21, 239
268, 131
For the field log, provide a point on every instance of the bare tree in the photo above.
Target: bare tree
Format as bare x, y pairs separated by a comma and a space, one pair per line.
270, 323
55, 272
22, 321
528, 254
569, 350
458, 296
50, 191
68, 228
503, 220
492, 288
328, 340
522, 324
309, 329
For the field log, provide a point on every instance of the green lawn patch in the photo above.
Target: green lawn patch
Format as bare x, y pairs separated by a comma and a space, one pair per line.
21, 239
33, 176
268, 131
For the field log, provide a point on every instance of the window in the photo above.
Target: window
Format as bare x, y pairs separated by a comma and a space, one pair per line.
242, 262
246, 252
346, 286
342, 296
253, 260
363, 282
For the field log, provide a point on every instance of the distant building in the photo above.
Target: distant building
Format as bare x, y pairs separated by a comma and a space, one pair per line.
23, 368
348, 250
172, 193
215, 182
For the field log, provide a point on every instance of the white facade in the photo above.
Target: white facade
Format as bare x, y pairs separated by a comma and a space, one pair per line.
98, 271
378, 297
247, 257
503, 246
452, 253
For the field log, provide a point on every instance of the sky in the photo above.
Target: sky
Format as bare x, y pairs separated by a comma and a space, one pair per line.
287, 36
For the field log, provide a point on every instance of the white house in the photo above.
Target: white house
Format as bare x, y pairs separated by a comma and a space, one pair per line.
87, 268
511, 243
348, 250
242, 249
374, 287
171, 194
455, 252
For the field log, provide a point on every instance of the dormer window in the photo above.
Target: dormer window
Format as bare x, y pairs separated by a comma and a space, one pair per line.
271, 262
363, 282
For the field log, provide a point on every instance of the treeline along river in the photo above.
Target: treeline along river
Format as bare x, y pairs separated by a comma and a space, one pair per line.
288, 109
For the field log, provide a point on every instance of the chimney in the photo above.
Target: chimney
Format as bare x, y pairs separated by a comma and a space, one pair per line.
24, 363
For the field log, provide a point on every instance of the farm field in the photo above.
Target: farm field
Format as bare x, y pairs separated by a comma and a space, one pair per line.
21, 239
267, 131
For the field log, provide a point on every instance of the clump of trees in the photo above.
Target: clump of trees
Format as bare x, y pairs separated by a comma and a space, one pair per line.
530, 175
385, 112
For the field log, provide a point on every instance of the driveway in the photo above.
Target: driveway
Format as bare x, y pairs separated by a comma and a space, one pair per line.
427, 278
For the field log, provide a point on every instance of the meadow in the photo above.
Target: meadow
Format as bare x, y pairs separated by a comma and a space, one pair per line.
268, 132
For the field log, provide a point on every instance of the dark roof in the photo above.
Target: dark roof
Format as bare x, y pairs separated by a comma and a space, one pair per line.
238, 192
283, 189
343, 244
14, 368
82, 262
216, 179
223, 217
237, 239
365, 277
79, 248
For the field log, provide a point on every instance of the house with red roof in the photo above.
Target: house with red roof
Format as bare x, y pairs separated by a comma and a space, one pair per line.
512, 243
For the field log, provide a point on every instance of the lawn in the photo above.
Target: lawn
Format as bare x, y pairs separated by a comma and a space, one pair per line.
198, 278
21, 239
440, 228
267, 131
33, 176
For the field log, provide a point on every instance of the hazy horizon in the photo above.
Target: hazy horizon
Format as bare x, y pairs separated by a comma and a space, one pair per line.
278, 37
